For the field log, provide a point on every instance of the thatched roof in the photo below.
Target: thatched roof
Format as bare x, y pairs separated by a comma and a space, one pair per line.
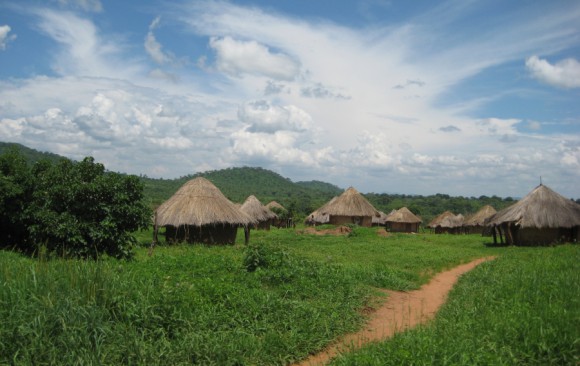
317, 217
403, 215
541, 208
382, 218
254, 208
349, 203
275, 205
446, 219
480, 216
198, 202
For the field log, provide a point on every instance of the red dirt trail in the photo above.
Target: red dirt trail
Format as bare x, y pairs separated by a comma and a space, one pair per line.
401, 310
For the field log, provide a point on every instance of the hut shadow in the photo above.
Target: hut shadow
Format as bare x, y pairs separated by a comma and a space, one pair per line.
496, 245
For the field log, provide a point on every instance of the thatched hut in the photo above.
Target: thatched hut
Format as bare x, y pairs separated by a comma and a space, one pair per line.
349, 208
542, 217
260, 213
275, 206
199, 212
476, 223
317, 217
447, 222
403, 220
381, 219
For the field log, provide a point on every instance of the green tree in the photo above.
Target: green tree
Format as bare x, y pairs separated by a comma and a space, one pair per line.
75, 209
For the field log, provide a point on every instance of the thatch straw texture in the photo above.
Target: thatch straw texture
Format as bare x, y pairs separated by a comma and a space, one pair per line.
542, 208
381, 219
197, 203
317, 217
350, 203
275, 205
444, 218
480, 216
254, 208
403, 215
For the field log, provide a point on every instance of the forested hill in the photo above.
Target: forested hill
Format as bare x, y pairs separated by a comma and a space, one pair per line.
301, 197
239, 183
31, 155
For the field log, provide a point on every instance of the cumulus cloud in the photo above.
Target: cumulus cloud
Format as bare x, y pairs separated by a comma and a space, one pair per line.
563, 74
264, 117
5, 37
237, 58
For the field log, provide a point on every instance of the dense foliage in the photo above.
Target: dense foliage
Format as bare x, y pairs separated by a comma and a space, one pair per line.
70, 209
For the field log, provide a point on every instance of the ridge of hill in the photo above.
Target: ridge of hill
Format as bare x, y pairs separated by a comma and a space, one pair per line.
29, 154
300, 197
240, 182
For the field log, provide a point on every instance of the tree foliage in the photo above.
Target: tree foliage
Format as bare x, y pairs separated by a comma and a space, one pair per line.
71, 209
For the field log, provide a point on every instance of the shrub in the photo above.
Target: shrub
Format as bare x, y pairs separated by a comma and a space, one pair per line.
73, 209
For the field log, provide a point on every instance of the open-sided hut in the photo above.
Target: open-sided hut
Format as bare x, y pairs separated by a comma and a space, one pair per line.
199, 212
349, 208
542, 217
317, 217
476, 223
447, 222
284, 219
403, 220
381, 219
258, 212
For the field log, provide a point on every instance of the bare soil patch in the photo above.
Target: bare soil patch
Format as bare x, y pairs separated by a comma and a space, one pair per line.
338, 231
400, 311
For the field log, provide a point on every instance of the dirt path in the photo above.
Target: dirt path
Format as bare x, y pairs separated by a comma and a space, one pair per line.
400, 311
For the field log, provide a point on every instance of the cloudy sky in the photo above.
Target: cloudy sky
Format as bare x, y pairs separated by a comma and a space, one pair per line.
462, 97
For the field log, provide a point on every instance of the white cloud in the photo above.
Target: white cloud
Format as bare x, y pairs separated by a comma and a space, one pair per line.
264, 117
563, 74
5, 37
84, 51
153, 47
236, 58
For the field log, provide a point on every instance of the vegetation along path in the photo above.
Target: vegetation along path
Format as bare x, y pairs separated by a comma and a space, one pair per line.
401, 310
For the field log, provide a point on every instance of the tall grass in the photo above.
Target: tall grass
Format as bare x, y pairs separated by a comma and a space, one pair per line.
283, 297
521, 309
184, 305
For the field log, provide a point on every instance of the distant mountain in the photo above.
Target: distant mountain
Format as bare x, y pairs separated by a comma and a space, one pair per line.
300, 197
239, 183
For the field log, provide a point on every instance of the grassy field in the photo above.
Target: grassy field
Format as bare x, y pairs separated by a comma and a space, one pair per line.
270, 303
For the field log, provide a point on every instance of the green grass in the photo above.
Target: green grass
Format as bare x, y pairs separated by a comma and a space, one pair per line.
286, 295
521, 309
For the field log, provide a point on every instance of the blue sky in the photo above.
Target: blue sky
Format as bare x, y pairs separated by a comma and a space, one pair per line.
417, 97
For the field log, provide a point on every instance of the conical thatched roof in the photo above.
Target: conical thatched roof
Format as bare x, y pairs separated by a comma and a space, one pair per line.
275, 205
349, 203
198, 202
480, 216
541, 208
443, 219
403, 215
254, 208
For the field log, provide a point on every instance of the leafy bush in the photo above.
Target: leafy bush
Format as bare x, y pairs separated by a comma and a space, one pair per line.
72, 209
